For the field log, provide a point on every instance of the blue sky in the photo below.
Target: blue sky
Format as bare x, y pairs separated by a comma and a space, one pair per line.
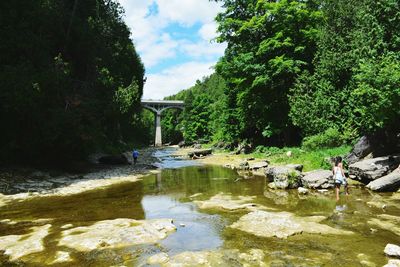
175, 41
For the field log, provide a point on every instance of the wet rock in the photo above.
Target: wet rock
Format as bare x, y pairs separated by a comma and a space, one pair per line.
116, 233
390, 182
17, 246
159, 259
229, 203
302, 191
61, 257
392, 250
392, 263
371, 169
283, 177
318, 179
283, 224
386, 222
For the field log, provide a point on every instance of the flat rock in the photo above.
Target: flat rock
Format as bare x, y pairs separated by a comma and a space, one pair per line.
229, 203
392, 263
387, 222
390, 182
116, 233
318, 179
392, 250
17, 246
258, 165
372, 169
283, 224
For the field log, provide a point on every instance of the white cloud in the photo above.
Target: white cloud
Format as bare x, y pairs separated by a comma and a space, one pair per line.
155, 45
174, 79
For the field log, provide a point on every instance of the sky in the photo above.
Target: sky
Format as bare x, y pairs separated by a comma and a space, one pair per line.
174, 39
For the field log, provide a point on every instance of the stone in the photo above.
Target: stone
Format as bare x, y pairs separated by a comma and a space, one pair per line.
159, 259
371, 169
244, 165
318, 179
258, 165
118, 233
390, 182
283, 177
360, 150
387, 222
302, 191
226, 202
392, 263
199, 153
283, 224
289, 154
392, 250
62, 257
17, 246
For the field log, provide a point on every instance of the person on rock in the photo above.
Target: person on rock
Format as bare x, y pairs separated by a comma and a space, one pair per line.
339, 177
135, 155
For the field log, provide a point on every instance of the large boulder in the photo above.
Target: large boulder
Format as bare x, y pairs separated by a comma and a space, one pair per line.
371, 169
283, 177
318, 179
390, 182
361, 149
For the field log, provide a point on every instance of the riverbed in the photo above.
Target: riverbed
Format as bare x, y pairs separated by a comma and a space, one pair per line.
199, 208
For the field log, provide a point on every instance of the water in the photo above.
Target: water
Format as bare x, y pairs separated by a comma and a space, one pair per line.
167, 195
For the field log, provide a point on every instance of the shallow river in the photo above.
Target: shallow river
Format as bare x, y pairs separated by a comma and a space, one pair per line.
167, 195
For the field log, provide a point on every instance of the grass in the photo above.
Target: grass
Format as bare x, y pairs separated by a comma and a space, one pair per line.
310, 159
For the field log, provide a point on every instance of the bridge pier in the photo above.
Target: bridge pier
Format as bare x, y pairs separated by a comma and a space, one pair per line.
158, 106
158, 141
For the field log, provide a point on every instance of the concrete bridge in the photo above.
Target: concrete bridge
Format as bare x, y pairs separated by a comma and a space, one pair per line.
158, 106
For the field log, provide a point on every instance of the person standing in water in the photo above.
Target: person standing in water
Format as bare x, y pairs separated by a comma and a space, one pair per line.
135, 155
339, 177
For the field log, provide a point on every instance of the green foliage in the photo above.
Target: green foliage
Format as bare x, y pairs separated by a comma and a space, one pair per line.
355, 86
330, 138
71, 79
269, 44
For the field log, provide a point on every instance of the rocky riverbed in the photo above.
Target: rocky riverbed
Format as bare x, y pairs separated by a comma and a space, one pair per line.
182, 215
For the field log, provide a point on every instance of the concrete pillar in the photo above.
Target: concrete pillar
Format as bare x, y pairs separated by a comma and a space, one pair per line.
158, 141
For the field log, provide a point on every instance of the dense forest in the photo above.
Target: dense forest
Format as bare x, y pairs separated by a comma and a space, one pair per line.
71, 80
320, 70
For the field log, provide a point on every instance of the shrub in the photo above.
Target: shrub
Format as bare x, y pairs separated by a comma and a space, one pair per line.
329, 138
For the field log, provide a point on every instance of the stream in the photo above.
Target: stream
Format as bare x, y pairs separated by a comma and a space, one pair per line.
176, 192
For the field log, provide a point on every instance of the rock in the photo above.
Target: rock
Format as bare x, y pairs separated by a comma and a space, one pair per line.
258, 165
158, 259
392, 250
118, 233
200, 153
323, 191
250, 159
283, 177
289, 154
390, 182
61, 257
244, 165
361, 149
229, 203
66, 226
17, 246
386, 222
197, 146
318, 179
283, 224
114, 159
297, 167
372, 169
302, 191
392, 263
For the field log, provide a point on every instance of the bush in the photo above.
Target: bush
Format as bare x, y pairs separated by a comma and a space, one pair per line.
329, 138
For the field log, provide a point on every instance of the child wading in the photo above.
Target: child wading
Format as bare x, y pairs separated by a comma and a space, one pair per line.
135, 155
340, 178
